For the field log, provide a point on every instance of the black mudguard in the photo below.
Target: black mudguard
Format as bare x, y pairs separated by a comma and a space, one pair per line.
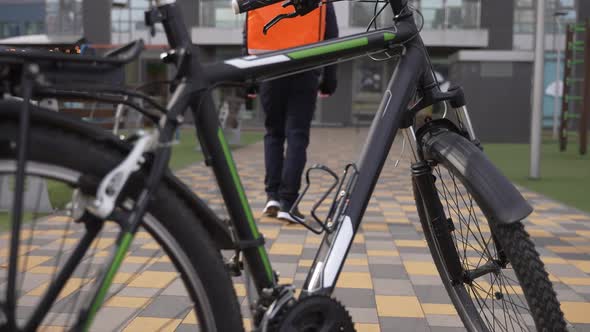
217, 229
497, 197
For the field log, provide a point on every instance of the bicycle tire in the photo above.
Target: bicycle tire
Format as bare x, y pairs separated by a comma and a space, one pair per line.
525, 261
172, 224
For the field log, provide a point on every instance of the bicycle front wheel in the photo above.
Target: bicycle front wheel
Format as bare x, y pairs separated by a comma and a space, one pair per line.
504, 286
172, 277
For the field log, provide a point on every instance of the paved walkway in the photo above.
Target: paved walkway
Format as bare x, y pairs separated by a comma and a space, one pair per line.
389, 282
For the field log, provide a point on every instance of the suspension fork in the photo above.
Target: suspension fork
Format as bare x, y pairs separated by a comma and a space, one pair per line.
436, 221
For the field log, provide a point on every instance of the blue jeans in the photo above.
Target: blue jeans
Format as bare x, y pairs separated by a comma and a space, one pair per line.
288, 104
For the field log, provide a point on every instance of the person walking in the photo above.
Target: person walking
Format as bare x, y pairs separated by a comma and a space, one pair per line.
289, 102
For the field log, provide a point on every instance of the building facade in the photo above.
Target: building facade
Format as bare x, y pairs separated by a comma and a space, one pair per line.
461, 36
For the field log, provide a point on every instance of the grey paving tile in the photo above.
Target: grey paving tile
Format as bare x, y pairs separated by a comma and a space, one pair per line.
391, 324
400, 287
384, 260
432, 294
359, 298
390, 271
176, 288
186, 328
138, 292
425, 280
444, 320
379, 245
167, 306
364, 315
112, 318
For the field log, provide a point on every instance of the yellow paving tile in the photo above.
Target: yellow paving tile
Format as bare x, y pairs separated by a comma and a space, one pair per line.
576, 312
142, 235
42, 270
355, 280
383, 253
46, 328
102, 253
286, 249
305, 262
564, 249
582, 265
359, 238
72, 285
247, 324
313, 239
374, 227
270, 233
190, 318
127, 302
59, 219
364, 327
439, 309
573, 239
153, 279
28, 262
356, 261
123, 277
401, 220
398, 306
164, 259
136, 259
421, 268
539, 233
152, 324
151, 245
22, 249
411, 243
576, 281
240, 289
553, 260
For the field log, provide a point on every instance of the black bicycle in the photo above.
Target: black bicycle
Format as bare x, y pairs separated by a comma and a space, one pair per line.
117, 201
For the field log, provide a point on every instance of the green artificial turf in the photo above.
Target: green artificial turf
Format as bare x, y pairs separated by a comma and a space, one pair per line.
565, 176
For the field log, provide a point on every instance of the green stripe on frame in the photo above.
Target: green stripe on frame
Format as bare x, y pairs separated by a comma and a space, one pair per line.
244, 201
119, 255
387, 36
314, 51
237, 183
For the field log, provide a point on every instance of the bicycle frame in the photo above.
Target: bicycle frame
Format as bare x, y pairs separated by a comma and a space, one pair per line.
194, 84
409, 75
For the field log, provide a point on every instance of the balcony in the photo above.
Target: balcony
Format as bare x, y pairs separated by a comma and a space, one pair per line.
447, 23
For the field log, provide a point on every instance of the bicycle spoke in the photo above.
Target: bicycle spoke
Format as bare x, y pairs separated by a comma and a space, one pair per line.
477, 248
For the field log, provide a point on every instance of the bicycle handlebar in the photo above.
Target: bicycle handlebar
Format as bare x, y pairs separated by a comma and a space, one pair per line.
242, 6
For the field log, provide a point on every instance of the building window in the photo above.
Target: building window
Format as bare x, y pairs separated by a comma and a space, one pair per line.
219, 14
525, 15
127, 20
438, 14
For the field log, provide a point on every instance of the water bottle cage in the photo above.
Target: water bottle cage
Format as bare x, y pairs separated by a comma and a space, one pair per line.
338, 204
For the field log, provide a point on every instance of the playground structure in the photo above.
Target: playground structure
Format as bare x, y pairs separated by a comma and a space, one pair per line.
575, 113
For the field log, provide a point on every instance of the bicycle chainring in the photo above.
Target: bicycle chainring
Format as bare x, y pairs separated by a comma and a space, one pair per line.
315, 313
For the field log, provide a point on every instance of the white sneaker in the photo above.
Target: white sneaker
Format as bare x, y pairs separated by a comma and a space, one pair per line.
294, 218
271, 208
